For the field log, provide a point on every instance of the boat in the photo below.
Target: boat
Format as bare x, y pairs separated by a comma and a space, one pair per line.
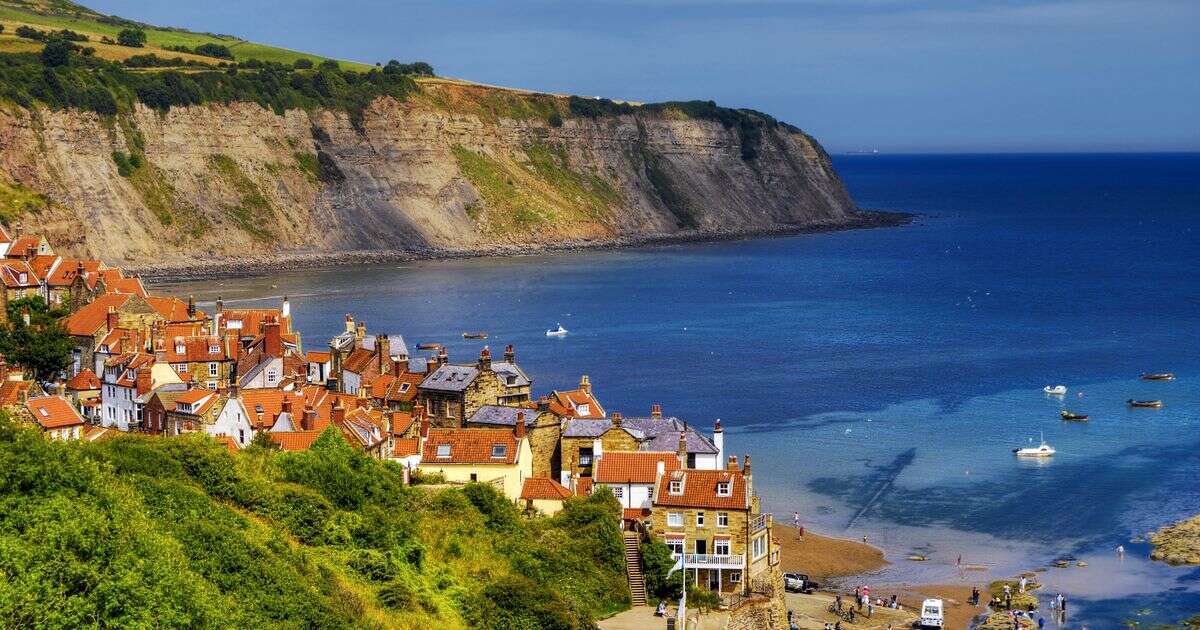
1153, 404
429, 346
1160, 376
1056, 390
1067, 415
557, 332
475, 335
1042, 450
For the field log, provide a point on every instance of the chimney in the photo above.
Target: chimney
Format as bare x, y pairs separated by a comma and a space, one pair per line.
424, 426
285, 309
616, 420
220, 305
309, 420
285, 405
360, 331
443, 356
748, 476
431, 364
719, 440
681, 450
519, 427
111, 318
272, 339
656, 410
3, 368
143, 380
660, 468
383, 351
510, 355
732, 466
339, 413
349, 323
543, 404
585, 385
399, 366
485, 359
60, 387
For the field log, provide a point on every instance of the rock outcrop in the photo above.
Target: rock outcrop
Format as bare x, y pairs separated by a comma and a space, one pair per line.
440, 173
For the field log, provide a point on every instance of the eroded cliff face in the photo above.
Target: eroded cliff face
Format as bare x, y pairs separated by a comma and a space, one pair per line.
242, 183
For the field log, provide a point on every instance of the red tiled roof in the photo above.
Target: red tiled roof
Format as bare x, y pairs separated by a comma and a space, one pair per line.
536, 488
573, 402
84, 380
314, 356
10, 392
195, 349
294, 440
635, 514
42, 263
583, 486
64, 274
24, 246
194, 396
404, 447
632, 467
358, 361
171, 309
53, 412
11, 270
470, 446
229, 443
700, 489
87, 320
252, 320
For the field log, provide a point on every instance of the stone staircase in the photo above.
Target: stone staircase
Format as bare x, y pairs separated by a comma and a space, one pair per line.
633, 568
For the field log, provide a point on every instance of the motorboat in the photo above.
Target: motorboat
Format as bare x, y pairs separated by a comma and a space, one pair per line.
1160, 376
1152, 404
475, 335
429, 346
557, 332
1055, 390
1041, 450
1067, 415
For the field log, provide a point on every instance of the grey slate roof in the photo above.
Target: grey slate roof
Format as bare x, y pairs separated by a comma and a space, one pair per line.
450, 378
503, 369
502, 416
396, 345
655, 434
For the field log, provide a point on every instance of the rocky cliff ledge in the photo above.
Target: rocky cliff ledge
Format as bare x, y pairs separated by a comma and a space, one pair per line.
457, 169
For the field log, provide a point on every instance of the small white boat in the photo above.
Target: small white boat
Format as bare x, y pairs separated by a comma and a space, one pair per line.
1055, 390
557, 332
1042, 450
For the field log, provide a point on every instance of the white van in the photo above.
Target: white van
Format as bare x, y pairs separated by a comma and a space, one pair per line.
931, 614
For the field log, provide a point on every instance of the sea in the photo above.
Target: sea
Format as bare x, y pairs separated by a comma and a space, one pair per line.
880, 379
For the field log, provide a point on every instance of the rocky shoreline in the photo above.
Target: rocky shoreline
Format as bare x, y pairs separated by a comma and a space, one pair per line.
1177, 544
273, 262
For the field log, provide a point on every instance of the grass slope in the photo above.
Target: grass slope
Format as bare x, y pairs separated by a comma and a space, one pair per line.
179, 532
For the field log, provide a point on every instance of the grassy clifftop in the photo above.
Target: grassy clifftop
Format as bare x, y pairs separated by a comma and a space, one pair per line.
145, 532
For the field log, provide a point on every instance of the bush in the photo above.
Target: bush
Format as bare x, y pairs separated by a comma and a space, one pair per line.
57, 52
30, 33
302, 64
132, 37
499, 512
656, 562
213, 50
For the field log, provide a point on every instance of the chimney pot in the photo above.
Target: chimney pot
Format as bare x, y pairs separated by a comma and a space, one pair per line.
585, 385
519, 427
732, 465
656, 410
616, 419
510, 355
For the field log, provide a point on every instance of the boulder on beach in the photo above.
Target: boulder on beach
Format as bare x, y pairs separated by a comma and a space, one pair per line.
1002, 621
1178, 543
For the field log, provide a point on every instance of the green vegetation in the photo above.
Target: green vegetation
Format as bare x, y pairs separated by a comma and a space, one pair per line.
253, 211
679, 206
179, 532
16, 199
43, 346
308, 164
132, 37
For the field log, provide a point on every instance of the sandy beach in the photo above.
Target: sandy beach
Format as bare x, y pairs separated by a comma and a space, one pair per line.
824, 557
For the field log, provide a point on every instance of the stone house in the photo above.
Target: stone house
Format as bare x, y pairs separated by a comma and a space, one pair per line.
631, 476
356, 357
543, 428
56, 417
497, 456
712, 518
452, 393
585, 439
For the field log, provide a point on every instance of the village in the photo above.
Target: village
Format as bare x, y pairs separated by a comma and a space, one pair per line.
160, 366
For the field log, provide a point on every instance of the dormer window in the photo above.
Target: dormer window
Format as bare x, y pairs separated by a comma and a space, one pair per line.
584, 409
676, 486
499, 451
404, 387
723, 489
24, 277
443, 450
213, 348
510, 380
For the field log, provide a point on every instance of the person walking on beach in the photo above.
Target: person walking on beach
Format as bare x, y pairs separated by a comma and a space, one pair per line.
796, 520
1041, 622
1024, 581
870, 609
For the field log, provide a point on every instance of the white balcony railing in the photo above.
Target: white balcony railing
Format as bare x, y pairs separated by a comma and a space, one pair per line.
759, 523
711, 561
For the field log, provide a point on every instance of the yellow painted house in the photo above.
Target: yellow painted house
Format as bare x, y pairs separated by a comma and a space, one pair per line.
501, 457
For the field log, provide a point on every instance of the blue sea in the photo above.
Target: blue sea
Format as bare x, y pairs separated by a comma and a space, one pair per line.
881, 378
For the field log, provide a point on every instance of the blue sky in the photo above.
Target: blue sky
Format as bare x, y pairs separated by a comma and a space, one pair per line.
932, 75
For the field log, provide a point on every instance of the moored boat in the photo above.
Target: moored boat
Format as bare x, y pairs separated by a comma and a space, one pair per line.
557, 332
429, 346
1055, 390
1067, 415
1159, 376
475, 335
1154, 404
1041, 450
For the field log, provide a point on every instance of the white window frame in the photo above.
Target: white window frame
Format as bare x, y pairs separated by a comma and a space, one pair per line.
674, 519
212, 368
759, 546
675, 487
618, 492
677, 545
499, 451
443, 451
735, 577
724, 489
718, 544
723, 519
699, 519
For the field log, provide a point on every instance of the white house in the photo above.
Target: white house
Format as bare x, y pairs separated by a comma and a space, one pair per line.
128, 380
631, 475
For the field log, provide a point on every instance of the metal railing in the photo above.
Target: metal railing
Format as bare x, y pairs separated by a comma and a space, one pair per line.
711, 561
760, 522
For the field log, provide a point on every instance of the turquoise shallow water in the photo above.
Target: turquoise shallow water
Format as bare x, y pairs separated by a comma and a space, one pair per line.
880, 378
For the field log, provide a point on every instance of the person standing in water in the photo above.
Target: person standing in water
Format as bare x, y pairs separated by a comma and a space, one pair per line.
1121, 551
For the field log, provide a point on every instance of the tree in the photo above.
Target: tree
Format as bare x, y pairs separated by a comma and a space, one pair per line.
132, 37
42, 346
57, 53
329, 64
302, 64
262, 440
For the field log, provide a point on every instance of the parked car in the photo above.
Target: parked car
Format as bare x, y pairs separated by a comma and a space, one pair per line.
931, 614
799, 583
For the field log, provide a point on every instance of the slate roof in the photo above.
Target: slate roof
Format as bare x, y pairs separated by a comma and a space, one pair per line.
450, 378
656, 434
500, 415
505, 370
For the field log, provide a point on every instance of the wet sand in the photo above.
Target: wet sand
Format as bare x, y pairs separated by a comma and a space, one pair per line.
824, 557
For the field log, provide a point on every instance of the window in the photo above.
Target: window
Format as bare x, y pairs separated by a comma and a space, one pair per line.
674, 519
618, 492
760, 547
241, 436
585, 457
584, 409
404, 387
735, 577
212, 368
272, 376
676, 544
723, 489
474, 477
721, 547
699, 519
499, 451
722, 519
181, 368
443, 450
676, 486
213, 348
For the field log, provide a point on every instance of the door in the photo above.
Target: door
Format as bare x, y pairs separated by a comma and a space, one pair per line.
701, 546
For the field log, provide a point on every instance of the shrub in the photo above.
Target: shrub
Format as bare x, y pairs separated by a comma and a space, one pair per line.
302, 64
213, 50
656, 562
132, 37
555, 120
499, 512
30, 33
57, 52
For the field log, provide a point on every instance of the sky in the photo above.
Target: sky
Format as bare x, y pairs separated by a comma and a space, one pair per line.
890, 75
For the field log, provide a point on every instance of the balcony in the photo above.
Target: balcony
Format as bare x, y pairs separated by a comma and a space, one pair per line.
710, 561
760, 523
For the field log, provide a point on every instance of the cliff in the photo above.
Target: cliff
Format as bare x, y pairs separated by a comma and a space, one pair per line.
453, 169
